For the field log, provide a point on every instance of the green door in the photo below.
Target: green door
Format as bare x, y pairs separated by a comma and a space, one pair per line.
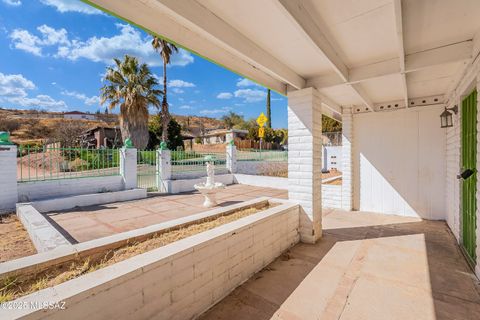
469, 185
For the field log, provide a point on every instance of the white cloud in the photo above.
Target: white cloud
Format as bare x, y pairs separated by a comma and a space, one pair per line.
14, 3
104, 49
246, 83
217, 112
224, 95
185, 107
180, 84
177, 90
251, 95
14, 85
24, 40
13, 90
81, 96
71, 6
40, 101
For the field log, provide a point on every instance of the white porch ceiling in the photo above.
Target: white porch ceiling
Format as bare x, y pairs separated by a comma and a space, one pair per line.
361, 53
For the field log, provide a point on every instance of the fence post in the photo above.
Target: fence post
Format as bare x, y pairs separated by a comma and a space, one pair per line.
164, 169
231, 158
8, 174
128, 167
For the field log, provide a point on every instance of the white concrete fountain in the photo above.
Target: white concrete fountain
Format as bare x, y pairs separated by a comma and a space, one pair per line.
210, 187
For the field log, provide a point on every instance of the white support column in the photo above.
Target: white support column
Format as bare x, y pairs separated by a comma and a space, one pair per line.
128, 167
347, 158
164, 169
231, 158
305, 160
8, 178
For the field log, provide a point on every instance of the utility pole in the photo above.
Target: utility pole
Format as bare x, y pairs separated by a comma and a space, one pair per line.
269, 112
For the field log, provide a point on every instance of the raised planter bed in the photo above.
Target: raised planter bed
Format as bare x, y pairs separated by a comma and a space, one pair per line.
178, 280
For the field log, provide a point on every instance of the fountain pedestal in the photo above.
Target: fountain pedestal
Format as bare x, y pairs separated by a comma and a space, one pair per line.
210, 187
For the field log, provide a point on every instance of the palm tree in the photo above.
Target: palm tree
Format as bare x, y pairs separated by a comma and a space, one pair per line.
133, 87
165, 49
269, 112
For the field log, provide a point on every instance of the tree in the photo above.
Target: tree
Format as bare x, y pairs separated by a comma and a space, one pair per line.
165, 49
233, 120
330, 125
68, 133
9, 125
174, 133
269, 111
133, 88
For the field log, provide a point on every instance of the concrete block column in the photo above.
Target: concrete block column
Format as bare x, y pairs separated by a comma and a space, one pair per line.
8, 178
128, 167
164, 169
231, 158
305, 160
347, 158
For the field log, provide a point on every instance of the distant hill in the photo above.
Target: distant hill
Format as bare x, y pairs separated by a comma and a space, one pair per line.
32, 126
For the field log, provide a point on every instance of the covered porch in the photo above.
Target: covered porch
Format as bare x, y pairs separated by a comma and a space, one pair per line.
386, 69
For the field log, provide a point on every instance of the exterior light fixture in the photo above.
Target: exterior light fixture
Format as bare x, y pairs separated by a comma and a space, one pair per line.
446, 118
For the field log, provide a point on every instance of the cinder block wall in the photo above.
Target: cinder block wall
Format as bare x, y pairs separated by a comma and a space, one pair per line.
178, 281
28, 191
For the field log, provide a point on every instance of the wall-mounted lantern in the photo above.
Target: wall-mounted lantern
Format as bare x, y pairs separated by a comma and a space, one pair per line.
446, 118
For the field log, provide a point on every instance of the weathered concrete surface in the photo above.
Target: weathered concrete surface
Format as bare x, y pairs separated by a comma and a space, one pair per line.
366, 266
92, 222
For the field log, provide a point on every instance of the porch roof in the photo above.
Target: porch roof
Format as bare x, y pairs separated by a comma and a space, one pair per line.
370, 54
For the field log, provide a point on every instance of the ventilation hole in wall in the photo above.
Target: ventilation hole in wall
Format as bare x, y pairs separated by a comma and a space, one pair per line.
389, 106
366, 109
435, 99
412, 103
424, 101
396, 106
381, 107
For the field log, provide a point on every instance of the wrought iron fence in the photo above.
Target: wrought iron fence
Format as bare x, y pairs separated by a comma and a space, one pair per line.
51, 163
195, 161
262, 155
263, 162
147, 172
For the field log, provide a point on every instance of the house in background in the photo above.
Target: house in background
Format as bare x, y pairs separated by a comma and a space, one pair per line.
101, 137
219, 136
77, 115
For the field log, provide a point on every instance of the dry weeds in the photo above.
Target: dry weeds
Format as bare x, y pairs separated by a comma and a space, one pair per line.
15, 287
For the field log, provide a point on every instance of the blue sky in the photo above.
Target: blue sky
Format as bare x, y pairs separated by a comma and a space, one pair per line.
54, 53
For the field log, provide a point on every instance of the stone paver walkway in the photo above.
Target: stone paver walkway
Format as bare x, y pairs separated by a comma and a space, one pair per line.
87, 223
366, 267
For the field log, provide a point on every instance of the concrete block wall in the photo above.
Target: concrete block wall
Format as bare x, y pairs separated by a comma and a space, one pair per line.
8, 178
332, 196
29, 191
347, 158
304, 159
177, 281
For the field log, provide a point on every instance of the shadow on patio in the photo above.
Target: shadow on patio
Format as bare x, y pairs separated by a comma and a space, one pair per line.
366, 266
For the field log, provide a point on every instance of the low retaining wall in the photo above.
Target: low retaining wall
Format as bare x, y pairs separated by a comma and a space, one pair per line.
88, 200
178, 281
43, 235
262, 181
331, 194
35, 190
177, 186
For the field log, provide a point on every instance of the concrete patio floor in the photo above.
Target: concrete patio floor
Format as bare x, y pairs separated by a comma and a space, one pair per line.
87, 223
366, 266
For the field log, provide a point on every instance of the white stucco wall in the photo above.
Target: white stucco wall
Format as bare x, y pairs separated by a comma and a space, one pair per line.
399, 162
29, 191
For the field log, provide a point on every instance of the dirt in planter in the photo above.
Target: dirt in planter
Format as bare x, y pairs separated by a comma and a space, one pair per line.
14, 240
14, 287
